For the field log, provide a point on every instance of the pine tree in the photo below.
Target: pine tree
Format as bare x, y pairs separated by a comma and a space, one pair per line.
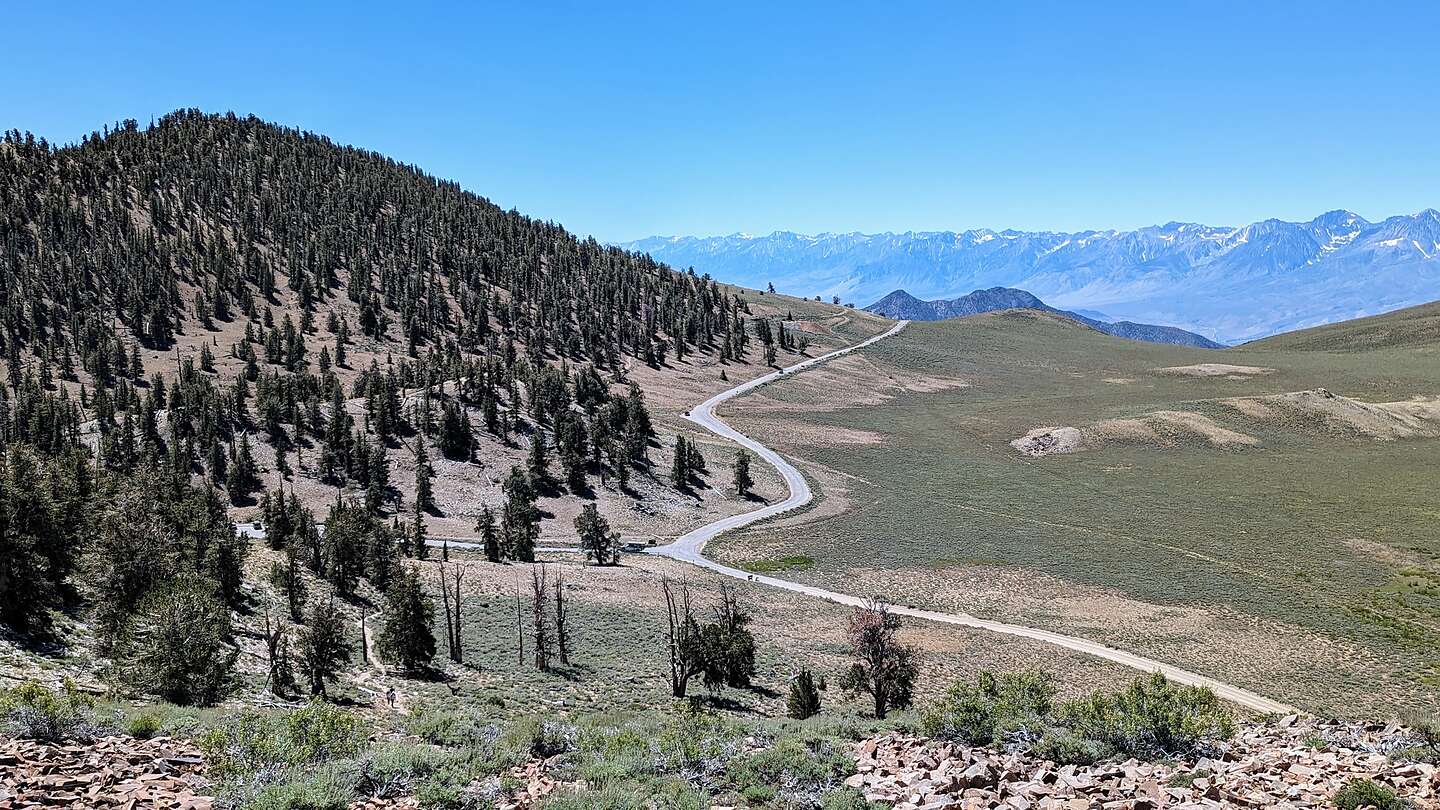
803, 701
323, 649
419, 538
601, 546
456, 440
680, 466
743, 481
489, 537
407, 639
538, 462
243, 478
520, 521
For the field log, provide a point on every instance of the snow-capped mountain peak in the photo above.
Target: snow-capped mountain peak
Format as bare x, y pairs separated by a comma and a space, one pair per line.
1228, 283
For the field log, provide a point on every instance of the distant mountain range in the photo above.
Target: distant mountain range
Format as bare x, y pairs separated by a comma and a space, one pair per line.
1229, 284
901, 305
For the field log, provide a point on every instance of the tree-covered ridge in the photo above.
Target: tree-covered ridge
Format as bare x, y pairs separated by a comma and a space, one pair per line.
199, 218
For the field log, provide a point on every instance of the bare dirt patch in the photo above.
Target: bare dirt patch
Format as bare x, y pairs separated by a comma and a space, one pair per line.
1323, 409
1048, 441
1161, 429
1215, 370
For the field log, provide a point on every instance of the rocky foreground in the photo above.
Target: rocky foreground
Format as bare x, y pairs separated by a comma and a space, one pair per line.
1290, 763
111, 772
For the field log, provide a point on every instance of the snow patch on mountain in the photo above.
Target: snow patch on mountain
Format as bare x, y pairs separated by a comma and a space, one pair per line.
1228, 283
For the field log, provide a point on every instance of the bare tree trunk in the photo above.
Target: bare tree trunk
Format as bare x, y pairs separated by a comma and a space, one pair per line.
539, 602
445, 595
519, 621
677, 636
457, 652
562, 634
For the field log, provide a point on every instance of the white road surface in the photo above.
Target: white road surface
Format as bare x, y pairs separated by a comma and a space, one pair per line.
690, 547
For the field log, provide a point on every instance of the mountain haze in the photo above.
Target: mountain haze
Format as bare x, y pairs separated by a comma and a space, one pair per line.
1228, 283
903, 305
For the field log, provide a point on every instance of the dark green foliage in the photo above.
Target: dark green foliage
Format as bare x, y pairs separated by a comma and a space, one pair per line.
994, 709
743, 481
728, 647
489, 536
177, 644
600, 544
324, 648
457, 441
1358, 793
407, 639
38, 541
1150, 718
520, 522
424, 474
803, 702
680, 464
884, 668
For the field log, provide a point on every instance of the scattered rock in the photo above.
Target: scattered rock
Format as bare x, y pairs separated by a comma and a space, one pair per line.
1292, 762
110, 772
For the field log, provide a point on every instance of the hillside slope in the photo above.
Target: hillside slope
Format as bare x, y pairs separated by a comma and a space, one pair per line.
900, 304
216, 247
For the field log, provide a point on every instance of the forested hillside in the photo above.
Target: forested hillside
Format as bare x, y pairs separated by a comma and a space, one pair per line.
214, 317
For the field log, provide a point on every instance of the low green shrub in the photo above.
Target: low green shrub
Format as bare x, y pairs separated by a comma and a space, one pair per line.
1151, 718
665, 794
791, 766
1357, 793
34, 711
993, 710
323, 787
1064, 747
143, 724
251, 741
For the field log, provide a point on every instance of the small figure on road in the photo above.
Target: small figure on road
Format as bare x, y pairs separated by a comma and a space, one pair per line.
390, 697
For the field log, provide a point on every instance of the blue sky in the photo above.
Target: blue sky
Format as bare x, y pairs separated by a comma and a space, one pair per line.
688, 118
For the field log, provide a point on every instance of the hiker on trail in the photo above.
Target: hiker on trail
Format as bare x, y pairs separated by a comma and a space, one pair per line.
390, 697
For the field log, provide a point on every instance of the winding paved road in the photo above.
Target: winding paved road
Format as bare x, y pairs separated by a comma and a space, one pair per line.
689, 547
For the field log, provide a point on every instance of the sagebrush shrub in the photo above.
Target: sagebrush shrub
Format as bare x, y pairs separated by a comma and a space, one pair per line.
995, 708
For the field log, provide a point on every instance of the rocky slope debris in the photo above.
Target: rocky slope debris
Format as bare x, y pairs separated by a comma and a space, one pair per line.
120, 772
1288, 763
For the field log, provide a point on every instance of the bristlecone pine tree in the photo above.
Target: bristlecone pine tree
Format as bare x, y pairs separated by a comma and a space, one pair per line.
407, 639
600, 544
804, 699
323, 649
743, 481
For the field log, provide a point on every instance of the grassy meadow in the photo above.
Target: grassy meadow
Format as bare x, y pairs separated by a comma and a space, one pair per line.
1310, 522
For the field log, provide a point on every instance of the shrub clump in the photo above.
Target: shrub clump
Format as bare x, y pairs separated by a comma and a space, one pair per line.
33, 711
252, 741
1358, 793
1151, 718
994, 711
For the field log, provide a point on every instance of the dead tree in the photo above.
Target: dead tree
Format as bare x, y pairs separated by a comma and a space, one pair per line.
682, 637
452, 611
539, 604
562, 632
519, 622
281, 677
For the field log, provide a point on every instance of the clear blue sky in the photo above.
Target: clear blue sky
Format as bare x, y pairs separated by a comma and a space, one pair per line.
683, 118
